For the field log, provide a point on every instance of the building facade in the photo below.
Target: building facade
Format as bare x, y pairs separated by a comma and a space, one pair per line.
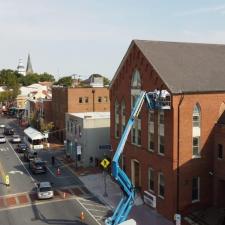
85, 134
169, 154
74, 100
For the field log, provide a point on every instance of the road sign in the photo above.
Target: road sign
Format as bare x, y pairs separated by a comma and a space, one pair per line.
7, 180
105, 163
78, 150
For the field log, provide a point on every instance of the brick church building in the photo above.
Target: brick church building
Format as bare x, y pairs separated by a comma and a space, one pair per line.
175, 156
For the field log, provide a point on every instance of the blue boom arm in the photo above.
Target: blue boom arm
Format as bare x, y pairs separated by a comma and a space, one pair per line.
153, 100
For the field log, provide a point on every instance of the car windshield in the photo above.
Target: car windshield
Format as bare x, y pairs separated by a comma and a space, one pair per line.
44, 189
40, 163
1, 136
16, 136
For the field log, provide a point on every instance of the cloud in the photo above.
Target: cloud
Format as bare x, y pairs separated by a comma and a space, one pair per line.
213, 9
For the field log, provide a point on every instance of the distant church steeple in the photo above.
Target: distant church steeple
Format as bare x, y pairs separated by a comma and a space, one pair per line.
29, 69
20, 68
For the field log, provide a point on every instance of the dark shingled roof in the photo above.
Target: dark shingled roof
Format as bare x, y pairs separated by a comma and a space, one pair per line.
184, 67
187, 67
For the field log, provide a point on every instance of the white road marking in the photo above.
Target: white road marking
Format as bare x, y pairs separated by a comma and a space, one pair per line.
97, 210
88, 212
96, 205
21, 162
3, 150
51, 172
15, 171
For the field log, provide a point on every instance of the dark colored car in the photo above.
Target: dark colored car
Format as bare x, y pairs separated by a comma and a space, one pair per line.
21, 148
38, 166
8, 131
30, 154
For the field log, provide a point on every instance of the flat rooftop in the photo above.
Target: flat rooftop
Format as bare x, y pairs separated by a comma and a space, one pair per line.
92, 115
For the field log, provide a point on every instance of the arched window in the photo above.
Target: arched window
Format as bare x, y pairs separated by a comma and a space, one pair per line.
136, 80
123, 115
196, 131
116, 119
135, 91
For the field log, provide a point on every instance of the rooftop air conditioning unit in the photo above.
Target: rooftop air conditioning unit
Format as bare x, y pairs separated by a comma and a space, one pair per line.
150, 199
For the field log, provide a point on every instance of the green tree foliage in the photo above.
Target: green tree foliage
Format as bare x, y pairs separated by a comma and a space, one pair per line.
46, 77
46, 127
106, 81
9, 79
30, 79
65, 81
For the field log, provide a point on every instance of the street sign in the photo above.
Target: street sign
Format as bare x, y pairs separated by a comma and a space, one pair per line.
105, 163
7, 180
78, 150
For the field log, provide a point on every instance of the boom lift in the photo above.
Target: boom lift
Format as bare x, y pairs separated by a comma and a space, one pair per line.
156, 100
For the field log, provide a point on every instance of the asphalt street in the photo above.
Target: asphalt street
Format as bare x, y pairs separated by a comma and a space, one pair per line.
16, 203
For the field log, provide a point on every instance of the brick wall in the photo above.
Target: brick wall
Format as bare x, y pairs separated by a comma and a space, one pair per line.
168, 164
67, 100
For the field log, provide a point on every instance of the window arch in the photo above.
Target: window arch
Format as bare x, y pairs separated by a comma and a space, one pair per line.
123, 115
196, 122
135, 91
116, 119
136, 80
196, 131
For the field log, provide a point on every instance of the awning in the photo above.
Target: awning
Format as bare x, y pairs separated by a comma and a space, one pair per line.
33, 134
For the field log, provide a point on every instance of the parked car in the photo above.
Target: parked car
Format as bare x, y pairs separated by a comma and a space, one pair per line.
21, 148
38, 166
30, 154
8, 131
2, 139
16, 139
45, 190
2, 125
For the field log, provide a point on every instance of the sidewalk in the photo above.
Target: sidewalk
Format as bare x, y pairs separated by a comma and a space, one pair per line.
142, 214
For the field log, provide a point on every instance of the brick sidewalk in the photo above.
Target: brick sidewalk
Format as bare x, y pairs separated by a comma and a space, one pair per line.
26, 198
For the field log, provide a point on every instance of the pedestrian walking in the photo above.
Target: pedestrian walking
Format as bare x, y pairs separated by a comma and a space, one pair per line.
53, 160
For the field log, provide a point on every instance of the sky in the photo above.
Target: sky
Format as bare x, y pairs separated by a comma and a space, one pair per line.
66, 37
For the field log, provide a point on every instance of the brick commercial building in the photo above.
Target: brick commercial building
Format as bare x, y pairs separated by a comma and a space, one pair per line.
74, 100
170, 153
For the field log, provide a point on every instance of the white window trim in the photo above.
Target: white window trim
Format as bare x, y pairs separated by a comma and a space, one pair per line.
160, 153
160, 196
150, 190
197, 156
197, 200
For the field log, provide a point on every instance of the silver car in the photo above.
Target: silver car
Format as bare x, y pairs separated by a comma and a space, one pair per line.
2, 139
44, 190
16, 139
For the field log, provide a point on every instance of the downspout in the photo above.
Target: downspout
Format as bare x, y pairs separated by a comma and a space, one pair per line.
178, 152
93, 93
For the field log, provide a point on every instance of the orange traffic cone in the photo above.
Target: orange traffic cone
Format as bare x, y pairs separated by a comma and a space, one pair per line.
58, 172
82, 215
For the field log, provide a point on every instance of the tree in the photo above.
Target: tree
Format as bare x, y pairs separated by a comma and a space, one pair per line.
65, 81
46, 127
106, 81
46, 77
9, 79
29, 79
